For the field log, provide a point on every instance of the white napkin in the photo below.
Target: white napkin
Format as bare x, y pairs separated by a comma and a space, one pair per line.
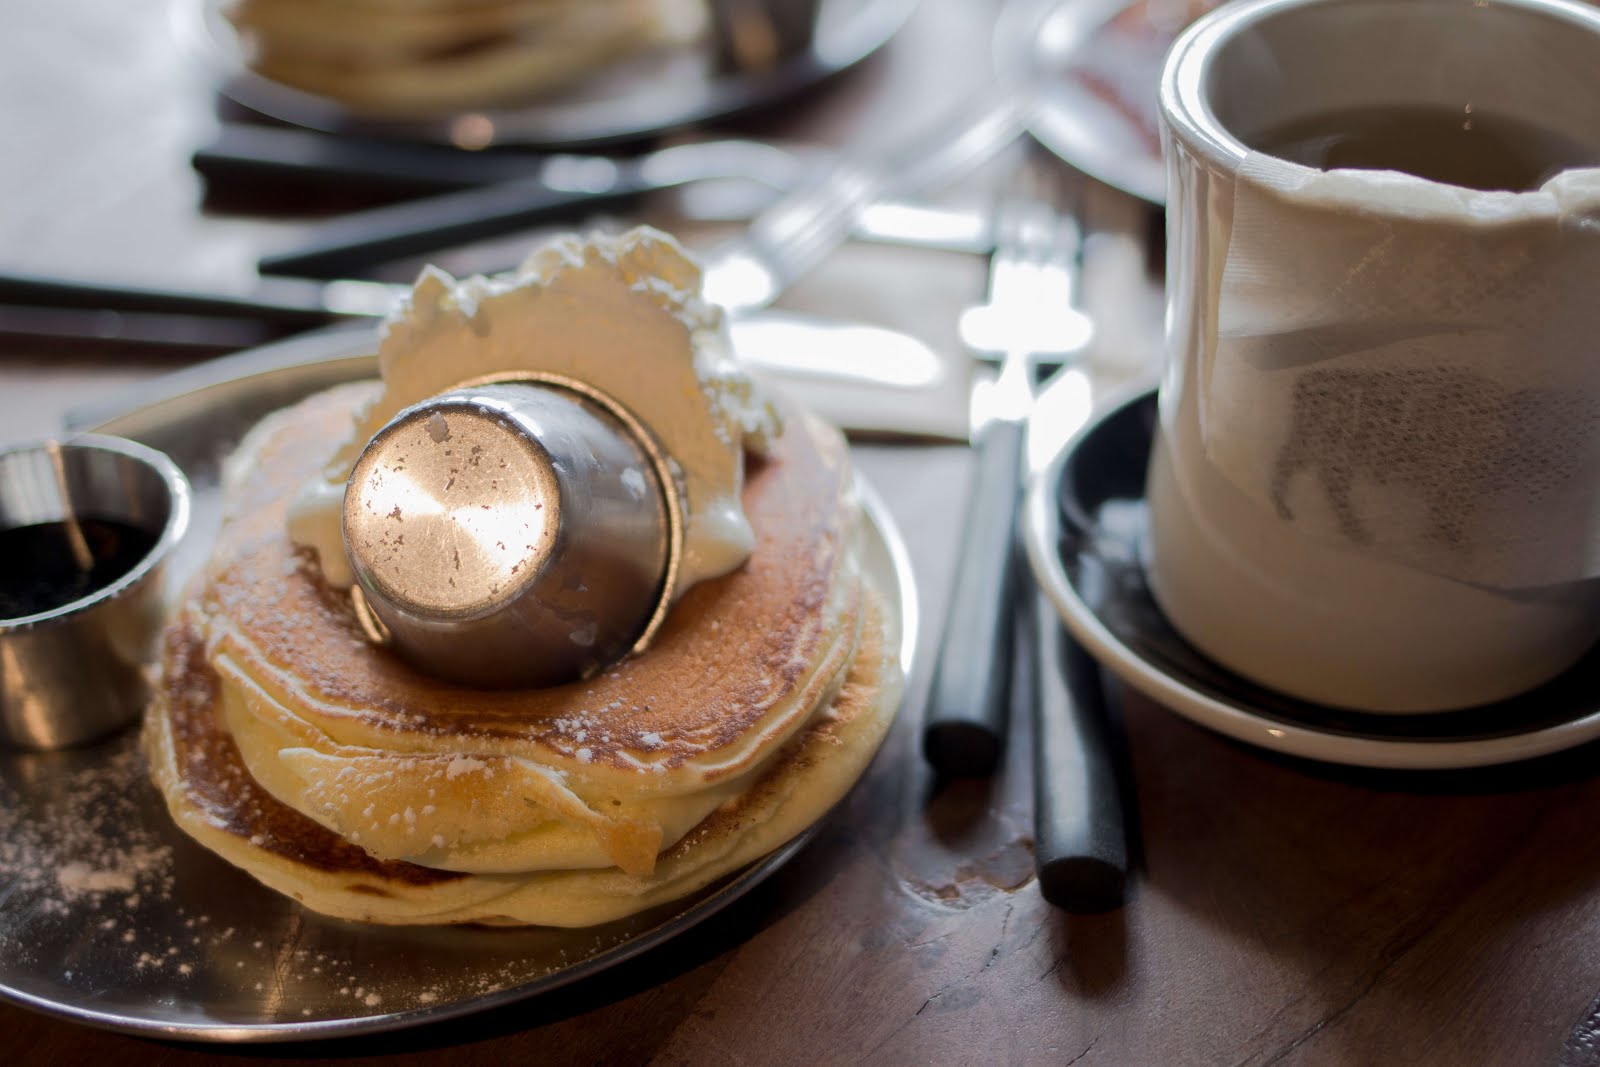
1412, 370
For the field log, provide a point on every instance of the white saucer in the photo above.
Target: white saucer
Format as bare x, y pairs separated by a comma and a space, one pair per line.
1084, 518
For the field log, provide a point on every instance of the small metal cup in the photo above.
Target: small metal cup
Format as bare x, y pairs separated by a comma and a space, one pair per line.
509, 534
71, 672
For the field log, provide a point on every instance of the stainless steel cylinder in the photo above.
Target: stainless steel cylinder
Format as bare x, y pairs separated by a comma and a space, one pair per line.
85, 530
508, 534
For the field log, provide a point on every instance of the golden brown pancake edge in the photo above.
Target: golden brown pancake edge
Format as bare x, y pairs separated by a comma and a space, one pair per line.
212, 795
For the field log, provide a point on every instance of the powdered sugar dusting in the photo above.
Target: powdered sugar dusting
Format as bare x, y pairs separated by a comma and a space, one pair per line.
100, 893
464, 765
73, 842
122, 876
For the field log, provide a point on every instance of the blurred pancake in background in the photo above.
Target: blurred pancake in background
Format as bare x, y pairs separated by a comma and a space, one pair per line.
420, 56
545, 73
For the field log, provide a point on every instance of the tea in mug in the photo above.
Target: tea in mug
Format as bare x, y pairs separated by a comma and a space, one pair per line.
1456, 146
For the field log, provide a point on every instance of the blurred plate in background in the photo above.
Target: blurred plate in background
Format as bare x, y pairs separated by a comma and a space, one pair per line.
632, 98
1099, 66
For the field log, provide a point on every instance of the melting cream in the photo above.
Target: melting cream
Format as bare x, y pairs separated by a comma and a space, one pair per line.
623, 314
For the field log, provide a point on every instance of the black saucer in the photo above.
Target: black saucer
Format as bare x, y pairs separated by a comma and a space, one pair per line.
1085, 526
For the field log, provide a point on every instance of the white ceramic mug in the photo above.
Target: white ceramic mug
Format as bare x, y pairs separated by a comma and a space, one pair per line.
1419, 547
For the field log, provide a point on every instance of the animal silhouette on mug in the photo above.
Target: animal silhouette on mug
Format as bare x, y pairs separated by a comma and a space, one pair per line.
1450, 436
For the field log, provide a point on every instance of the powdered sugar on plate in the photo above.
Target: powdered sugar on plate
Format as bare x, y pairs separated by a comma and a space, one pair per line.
109, 913
68, 835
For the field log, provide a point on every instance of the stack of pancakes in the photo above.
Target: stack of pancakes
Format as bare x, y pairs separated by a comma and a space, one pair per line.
333, 772
418, 56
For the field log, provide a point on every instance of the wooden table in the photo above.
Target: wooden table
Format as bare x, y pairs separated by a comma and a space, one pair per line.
1281, 911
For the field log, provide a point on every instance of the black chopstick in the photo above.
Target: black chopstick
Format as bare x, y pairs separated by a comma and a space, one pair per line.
965, 725
1080, 828
351, 244
284, 303
186, 321
246, 153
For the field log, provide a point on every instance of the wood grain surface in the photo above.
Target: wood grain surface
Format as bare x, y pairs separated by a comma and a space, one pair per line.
1282, 912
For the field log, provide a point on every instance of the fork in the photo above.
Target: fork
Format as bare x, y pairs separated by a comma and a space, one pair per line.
794, 235
1029, 314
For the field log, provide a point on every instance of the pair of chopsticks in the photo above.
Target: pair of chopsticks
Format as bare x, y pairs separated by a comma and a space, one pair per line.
451, 196
458, 197
1004, 652
463, 195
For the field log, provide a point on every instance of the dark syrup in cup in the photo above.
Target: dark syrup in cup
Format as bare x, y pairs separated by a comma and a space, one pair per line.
41, 571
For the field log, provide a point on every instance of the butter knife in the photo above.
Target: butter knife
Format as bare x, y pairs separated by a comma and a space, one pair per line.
247, 154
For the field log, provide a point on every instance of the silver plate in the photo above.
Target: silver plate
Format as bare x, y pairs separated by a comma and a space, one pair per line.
647, 94
1098, 67
112, 917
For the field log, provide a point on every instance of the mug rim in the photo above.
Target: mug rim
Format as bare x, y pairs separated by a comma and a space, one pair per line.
1185, 106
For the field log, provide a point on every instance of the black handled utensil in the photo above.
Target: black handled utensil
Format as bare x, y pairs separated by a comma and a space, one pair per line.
246, 152
1029, 314
555, 187
283, 303
1080, 835
964, 731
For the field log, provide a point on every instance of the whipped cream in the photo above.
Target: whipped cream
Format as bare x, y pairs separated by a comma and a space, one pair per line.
623, 314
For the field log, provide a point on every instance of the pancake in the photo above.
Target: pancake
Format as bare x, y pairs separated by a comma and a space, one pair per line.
335, 773
417, 56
